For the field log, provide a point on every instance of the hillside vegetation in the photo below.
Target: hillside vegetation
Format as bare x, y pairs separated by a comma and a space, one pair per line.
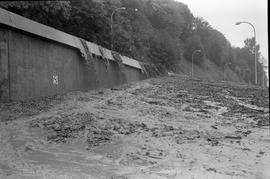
162, 32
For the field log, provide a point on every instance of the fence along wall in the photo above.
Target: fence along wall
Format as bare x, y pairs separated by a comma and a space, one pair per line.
37, 60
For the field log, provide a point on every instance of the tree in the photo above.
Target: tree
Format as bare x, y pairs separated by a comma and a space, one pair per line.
160, 54
250, 44
89, 20
53, 13
244, 59
161, 31
215, 54
193, 43
199, 24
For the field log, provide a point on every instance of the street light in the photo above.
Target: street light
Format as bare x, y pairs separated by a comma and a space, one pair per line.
255, 53
117, 9
192, 60
224, 69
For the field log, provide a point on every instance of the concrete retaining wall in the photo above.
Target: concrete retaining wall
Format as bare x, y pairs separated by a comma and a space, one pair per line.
4, 73
34, 67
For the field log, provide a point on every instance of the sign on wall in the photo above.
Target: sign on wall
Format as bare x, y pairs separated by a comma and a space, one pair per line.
55, 79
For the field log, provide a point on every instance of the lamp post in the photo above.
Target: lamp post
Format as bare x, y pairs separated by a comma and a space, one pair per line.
224, 69
255, 53
117, 9
192, 56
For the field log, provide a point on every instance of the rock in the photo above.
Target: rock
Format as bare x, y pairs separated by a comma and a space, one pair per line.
214, 142
101, 92
211, 170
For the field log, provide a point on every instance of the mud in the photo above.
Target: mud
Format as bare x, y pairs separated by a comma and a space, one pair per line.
169, 127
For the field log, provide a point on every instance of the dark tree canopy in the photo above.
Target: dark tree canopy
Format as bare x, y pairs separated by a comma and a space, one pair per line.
155, 31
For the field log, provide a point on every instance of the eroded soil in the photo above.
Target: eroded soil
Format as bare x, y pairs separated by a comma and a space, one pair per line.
169, 127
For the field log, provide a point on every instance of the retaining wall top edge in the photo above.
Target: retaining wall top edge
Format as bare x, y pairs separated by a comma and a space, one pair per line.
33, 27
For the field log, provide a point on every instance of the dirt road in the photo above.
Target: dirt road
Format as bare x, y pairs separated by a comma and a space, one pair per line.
169, 127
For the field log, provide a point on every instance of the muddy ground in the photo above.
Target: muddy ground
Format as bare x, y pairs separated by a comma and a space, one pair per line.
168, 127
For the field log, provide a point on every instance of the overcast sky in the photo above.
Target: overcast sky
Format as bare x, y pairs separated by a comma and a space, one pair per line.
223, 14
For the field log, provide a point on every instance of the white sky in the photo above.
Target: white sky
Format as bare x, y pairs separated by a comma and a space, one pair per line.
223, 14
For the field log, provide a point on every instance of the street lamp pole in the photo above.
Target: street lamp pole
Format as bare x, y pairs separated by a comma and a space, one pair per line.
255, 53
117, 9
192, 56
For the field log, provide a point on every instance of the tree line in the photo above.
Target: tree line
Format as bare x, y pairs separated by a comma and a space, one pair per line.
152, 31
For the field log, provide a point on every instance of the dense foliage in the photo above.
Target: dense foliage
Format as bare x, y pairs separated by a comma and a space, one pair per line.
156, 31
244, 62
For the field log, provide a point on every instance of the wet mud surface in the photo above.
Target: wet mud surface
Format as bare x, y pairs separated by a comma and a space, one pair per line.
169, 127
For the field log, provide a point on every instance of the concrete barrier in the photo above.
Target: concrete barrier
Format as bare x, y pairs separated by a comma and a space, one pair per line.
37, 60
